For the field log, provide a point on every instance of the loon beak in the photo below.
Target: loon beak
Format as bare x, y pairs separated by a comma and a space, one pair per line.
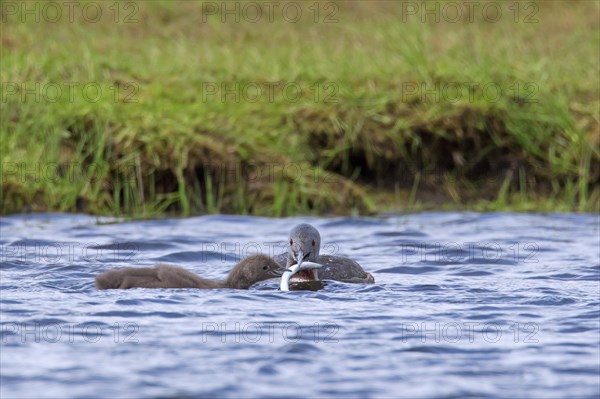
300, 258
277, 272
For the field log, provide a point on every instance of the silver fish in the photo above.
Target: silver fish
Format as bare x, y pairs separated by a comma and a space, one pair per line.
292, 270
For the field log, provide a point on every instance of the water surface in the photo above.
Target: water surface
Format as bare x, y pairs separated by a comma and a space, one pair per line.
465, 304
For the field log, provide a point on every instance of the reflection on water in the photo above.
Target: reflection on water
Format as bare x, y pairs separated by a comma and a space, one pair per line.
490, 305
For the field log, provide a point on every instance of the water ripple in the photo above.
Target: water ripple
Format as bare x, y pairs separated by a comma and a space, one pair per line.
464, 305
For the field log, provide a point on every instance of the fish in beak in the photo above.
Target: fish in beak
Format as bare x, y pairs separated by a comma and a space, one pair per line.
304, 273
301, 267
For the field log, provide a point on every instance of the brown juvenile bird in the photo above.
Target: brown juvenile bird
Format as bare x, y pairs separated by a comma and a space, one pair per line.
243, 275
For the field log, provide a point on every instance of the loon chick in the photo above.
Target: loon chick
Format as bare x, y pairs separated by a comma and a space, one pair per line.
304, 244
243, 275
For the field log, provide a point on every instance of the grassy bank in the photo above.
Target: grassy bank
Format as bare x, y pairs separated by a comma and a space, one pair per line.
162, 107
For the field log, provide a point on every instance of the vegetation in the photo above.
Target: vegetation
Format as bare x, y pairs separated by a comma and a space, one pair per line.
356, 107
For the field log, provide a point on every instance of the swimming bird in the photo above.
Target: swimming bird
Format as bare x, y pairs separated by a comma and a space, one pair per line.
243, 275
304, 244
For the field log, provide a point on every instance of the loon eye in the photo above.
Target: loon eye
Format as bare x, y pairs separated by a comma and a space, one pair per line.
265, 267
313, 243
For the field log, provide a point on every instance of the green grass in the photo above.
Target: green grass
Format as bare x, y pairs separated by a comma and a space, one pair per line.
362, 141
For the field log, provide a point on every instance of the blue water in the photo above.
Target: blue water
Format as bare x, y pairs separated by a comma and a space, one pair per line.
464, 304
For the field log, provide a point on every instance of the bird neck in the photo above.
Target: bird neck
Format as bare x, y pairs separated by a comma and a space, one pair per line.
238, 279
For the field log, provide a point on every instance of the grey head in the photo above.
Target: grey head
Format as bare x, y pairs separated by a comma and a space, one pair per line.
304, 243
